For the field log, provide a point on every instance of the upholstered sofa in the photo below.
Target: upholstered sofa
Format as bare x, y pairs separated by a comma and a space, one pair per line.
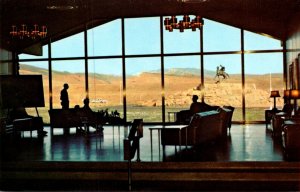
204, 127
64, 118
184, 116
80, 117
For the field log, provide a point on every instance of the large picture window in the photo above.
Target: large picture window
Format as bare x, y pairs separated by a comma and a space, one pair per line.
70, 72
142, 36
263, 73
105, 39
223, 86
143, 89
143, 57
254, 41
105, 85
72, 46
182, 77
220, 37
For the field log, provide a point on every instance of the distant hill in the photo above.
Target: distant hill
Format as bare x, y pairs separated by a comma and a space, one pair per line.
29, 69
33, 69
185, 71
171, 72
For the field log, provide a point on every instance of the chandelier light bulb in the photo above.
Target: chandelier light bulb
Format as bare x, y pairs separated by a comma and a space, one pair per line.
25, 32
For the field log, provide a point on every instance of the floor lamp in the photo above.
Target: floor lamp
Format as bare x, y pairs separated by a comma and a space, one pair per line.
286, 96
295, 94
274, 94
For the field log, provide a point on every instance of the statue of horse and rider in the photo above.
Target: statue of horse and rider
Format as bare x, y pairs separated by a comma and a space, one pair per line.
221, 72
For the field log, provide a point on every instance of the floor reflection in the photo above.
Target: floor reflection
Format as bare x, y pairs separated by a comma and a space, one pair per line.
243, 143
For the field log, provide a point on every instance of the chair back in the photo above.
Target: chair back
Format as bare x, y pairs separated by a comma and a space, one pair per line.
288, 109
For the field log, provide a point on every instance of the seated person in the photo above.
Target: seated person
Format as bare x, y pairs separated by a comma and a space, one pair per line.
184, 116
37, 122
90, 115
195, 106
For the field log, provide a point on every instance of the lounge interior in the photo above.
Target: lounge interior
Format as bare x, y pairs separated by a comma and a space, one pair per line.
212, 149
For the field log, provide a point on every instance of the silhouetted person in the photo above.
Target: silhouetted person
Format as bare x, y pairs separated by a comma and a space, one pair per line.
64, 97
91, 115
86, 103
195, 106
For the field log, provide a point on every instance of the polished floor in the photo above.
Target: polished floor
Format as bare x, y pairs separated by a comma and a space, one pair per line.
243, 143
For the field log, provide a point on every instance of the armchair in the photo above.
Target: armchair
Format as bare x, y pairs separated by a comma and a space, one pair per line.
278, 119
229, 116
290, 138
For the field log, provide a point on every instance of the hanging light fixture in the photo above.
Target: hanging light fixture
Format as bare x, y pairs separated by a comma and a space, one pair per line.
185, 23
32, 33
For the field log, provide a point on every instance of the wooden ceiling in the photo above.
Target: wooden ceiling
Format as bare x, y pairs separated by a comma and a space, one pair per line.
269, 17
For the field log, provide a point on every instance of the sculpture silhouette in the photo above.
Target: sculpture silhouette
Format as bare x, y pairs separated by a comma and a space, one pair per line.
221, 72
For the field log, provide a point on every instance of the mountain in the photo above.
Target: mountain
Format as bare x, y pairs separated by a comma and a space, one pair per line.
185, 71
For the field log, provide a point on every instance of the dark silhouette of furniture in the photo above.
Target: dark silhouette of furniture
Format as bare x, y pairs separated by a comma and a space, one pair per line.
184, 116
290, 139
278, 118
204, 127
65, 119
19, 92
285, 111
231, 108
68, 118
28, 124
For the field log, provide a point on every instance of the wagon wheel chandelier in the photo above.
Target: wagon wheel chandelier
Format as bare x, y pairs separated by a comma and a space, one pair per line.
185, 23
25, 32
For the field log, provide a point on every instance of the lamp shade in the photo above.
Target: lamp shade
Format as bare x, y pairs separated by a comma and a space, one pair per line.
275, 94
295, 94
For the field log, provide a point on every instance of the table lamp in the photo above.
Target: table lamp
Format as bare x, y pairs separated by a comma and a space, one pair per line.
275, 94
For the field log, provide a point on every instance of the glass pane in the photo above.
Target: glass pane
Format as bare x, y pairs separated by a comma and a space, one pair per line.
143, 94
142, 36
185, 42
223, 86
254, 41
263, 73
105, 85
105, 39
27, 56
72, 46
220, 37
38, 68
182, 76
72, 73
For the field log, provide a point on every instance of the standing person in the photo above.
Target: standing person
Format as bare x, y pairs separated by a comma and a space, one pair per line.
64, 97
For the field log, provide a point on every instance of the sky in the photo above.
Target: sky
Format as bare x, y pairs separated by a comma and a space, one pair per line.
142, 36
